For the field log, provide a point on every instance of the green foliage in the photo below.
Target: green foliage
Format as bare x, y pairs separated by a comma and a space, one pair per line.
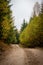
4, 18
24, 25
17, 36
11, 36
7, 30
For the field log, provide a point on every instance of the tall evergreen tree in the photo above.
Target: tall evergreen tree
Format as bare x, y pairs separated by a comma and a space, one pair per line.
33, 34
5, 15
23, 25
6, 22
41, 26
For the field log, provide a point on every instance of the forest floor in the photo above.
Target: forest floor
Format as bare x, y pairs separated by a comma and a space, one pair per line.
21, 56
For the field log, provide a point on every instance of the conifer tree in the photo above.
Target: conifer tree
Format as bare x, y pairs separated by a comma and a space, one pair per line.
23, 25
6, 22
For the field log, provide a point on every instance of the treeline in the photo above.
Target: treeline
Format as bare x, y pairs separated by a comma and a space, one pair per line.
8, 32
32, 35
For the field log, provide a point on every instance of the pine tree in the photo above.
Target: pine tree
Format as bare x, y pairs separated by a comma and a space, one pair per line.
23, 25
5, 20
32, 36
41, 26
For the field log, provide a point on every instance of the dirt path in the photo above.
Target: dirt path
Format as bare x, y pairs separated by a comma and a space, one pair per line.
14, 57
34, 56
20, 56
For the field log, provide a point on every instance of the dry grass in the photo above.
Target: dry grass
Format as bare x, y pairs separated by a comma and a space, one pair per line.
3, 46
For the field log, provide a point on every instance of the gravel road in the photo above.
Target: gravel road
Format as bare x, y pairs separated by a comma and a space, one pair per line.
22, 56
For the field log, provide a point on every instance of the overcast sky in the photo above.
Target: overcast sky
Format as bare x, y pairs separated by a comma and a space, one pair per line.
22, 9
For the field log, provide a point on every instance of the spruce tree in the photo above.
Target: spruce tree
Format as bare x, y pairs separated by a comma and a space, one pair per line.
41, 26
6, 20
23, 25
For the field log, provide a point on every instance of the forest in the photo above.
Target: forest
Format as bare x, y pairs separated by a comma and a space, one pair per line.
30, 34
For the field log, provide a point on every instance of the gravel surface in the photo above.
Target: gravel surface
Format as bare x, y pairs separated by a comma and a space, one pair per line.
21, 56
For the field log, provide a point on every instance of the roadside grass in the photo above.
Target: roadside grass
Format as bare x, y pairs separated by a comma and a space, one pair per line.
4, 46
35, 47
